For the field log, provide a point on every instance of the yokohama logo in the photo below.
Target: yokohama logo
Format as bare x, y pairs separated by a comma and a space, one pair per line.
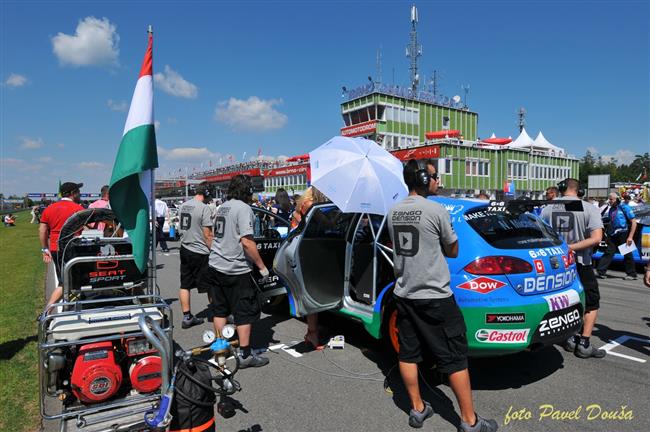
482, 285
502, 336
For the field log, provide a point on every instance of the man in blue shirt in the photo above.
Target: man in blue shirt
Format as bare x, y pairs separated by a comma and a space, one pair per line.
620, 230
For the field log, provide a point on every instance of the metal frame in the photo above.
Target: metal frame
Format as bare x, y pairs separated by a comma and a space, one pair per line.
159, 337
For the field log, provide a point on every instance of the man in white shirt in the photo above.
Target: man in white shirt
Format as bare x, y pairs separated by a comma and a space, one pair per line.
161, 213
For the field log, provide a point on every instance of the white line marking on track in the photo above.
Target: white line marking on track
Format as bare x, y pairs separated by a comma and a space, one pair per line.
621, 341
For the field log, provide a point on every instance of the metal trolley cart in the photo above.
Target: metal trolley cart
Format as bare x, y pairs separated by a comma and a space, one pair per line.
105, 350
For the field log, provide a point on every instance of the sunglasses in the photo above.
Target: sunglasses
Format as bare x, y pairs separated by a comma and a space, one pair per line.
433, 176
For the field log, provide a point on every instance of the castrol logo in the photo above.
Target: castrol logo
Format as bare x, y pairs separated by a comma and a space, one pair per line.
502, 336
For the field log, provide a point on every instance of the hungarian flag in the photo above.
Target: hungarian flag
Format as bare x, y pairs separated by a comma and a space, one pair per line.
130, 186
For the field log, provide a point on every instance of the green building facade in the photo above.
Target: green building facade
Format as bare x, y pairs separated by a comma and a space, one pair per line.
399, 120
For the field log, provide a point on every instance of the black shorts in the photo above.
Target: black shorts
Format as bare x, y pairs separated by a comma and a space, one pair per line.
232, 295
436, 324
192, 265
590, 285
56, 259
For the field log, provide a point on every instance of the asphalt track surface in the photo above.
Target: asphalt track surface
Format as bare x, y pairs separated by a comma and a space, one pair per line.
359, 388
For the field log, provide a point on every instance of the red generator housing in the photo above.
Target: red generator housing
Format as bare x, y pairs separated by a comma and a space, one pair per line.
96, 376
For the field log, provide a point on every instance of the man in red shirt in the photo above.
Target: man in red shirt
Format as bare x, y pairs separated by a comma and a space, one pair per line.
52, 221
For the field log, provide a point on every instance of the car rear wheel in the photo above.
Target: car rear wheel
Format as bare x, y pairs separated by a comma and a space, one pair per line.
391, 332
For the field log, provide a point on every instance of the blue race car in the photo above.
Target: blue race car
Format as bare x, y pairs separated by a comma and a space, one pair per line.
514, 279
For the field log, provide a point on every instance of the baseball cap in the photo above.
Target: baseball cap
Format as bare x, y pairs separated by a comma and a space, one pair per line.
69, 187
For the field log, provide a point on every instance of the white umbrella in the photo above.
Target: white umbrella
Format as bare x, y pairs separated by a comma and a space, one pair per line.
357, 175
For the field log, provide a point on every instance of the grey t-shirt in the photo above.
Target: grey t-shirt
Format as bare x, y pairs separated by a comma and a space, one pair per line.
418, 228
194, 216
234, 220
574, 226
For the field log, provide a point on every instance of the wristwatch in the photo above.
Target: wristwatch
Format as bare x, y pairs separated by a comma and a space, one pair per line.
45, 250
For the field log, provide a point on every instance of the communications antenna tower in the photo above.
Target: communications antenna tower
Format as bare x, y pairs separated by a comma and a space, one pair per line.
378, 80
414, 50
434, 83
522, 119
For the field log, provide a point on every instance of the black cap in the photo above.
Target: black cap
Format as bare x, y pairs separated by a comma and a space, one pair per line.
68, 187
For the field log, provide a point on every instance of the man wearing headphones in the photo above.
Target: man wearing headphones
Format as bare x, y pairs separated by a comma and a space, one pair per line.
228, 276
620, 230
582, 230
427, 314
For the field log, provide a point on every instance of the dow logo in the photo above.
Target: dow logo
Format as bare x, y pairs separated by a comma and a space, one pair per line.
482, 285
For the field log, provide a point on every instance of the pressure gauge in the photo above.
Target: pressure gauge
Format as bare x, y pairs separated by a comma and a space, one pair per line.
228, 331
208, 336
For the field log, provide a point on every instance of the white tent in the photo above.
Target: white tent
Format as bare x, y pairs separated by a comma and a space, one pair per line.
541, 143
523, 141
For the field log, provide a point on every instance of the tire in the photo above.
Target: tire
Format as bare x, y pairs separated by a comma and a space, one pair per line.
389, 326
277, 305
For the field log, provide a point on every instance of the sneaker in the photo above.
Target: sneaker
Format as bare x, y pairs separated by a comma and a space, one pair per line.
601, 275
482, 425
191, 322
590, 351
252, 360
630, 277
417, 418
165, 250
569, 345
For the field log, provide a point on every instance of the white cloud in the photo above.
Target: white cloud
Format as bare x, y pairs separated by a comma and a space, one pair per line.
16, 80
189, 154
622, 157
90, 165
117, 105
95, 43
45, 159
156, 125
31, 143
11, 161
173, 83
60, 145
251, 114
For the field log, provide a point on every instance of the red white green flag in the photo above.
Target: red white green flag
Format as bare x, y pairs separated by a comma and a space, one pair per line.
130, 185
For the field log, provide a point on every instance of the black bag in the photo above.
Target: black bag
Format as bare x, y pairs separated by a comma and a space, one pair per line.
193, 405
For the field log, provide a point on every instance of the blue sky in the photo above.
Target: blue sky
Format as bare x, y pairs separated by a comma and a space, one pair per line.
238, 76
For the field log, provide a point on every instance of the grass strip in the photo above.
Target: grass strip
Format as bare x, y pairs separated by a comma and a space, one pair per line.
22, 285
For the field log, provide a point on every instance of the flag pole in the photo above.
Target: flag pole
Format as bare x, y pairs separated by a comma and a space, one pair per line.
152, 203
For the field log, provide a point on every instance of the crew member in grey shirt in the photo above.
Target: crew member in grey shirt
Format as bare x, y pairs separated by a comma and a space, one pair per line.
228, 276
427, 314
582, 230
196, 239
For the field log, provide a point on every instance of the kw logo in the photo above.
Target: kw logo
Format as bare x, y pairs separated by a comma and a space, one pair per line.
559, 302
562, 300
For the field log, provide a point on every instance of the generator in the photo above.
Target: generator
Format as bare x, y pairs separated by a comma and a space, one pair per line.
105, 350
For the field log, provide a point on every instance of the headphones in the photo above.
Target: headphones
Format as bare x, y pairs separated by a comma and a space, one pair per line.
249, 184
422, 176
563, 186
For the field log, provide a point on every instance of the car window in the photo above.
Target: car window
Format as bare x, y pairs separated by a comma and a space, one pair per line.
328, 222
266, 225
504, 230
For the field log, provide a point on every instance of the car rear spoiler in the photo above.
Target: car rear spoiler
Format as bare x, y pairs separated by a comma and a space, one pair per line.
518, 206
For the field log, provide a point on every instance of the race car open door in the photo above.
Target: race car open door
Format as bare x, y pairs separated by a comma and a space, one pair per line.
311, 262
